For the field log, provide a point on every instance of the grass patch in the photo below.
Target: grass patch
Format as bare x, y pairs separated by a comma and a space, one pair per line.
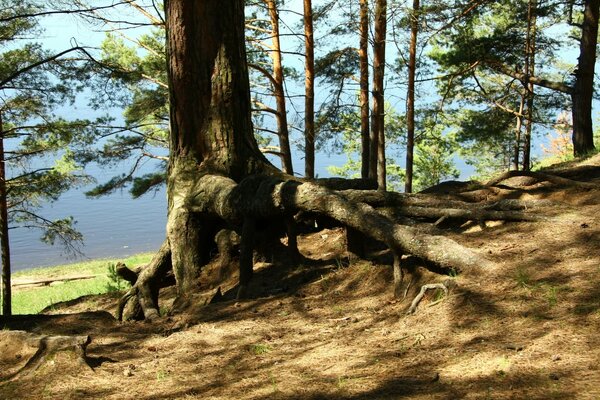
260, 349
35, 299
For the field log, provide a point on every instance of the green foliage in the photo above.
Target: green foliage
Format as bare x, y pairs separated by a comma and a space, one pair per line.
434, 151
44, 153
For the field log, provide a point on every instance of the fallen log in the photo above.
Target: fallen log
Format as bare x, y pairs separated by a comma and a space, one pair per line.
49, 281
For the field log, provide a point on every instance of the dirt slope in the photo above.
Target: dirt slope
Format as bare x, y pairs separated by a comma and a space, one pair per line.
526, 329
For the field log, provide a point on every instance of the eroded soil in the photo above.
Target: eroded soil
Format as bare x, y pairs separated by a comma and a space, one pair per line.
527, 328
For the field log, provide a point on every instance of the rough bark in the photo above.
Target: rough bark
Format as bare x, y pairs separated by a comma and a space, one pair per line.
583, 91
309, 101
217, 175
272, 196
410, 100
4, 242
363, 55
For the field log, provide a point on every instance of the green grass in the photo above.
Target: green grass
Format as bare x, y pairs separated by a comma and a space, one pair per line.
35, 299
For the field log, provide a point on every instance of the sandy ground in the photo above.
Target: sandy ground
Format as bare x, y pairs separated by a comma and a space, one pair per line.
525, 329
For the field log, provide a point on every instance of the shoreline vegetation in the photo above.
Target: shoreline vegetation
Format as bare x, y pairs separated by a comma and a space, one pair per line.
32, 299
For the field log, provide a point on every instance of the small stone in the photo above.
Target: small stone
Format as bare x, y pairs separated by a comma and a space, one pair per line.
127, 372
556, 357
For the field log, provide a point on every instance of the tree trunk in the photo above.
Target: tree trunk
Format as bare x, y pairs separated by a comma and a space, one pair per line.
282, 123
530, 49
582, 95
217, 175
4, 242
211, 129
378, 116
309, 102
410, 100
363, 55
518, 130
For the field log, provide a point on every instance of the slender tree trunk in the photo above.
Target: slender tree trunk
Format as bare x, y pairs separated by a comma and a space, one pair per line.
279, 89
364, 87
309, 104
530, 49
582, 95
410, 100
377, 119
4, 242
518, 131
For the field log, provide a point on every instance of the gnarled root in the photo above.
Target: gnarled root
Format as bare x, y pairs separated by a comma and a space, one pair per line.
445, 286
143, 295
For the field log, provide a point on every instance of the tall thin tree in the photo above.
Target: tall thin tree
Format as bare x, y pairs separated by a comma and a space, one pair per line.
363, 55
377, 149
309, 103
410, 98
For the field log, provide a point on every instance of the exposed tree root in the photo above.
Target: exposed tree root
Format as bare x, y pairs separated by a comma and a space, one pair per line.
445, 286
541, 176
47, 347
267, 198
143, 295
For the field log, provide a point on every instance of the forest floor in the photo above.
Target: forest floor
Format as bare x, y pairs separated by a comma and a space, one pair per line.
527, 328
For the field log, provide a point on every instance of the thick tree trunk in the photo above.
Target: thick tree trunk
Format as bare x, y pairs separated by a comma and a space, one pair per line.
363, 55
309, 103
211, 129
378, 114
410, 101
282, 123
4, 242
582, 95
217, 175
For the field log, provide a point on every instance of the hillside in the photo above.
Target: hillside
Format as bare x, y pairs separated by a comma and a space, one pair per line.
526, 328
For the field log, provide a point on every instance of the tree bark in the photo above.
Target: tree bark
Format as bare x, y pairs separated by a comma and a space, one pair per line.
363, 55
583, 91
282, 123
410, 100
530, 49
4, 242
378, 114
309, 102
217, 175
211, 129
518, 130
